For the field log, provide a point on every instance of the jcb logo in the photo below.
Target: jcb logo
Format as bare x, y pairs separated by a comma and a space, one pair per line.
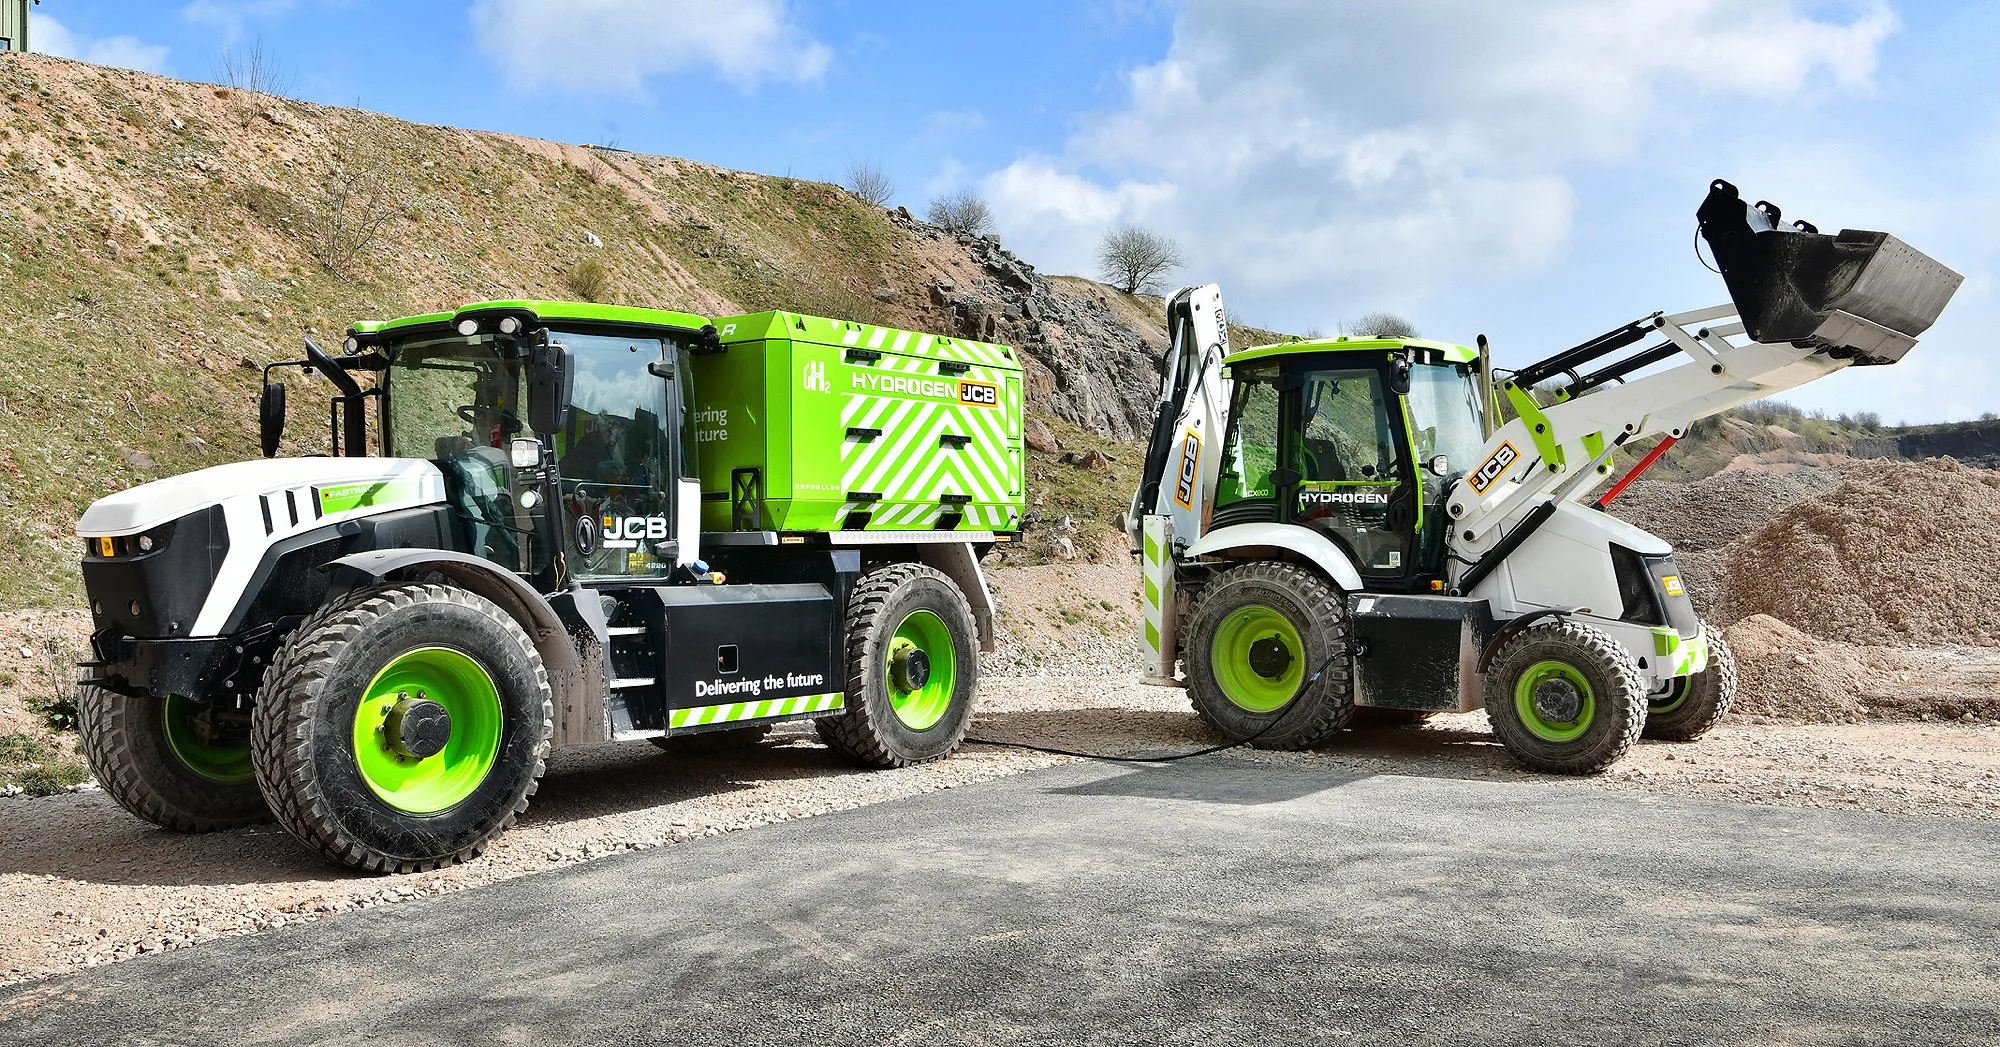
633, 528
1190, 468
815, 378
979, 394
1493, 468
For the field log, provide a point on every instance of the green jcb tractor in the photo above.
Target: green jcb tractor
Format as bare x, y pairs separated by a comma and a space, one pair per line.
585, 524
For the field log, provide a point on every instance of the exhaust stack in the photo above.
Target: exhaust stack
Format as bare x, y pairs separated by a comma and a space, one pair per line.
1860, 294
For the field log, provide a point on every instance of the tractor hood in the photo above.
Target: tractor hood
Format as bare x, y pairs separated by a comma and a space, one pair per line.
297, 491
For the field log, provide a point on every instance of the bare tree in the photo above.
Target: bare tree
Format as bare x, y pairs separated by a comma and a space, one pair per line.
867, 182
354, 202
1384, 325
1134, 259
961, 212
255, 69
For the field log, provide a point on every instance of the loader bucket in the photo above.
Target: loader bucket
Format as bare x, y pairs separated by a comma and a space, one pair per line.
1859, 294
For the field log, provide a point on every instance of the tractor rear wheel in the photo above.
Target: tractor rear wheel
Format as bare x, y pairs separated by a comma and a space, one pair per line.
912, 668
1565, 698
1695, 704
1267, 658
403, 728
173, 762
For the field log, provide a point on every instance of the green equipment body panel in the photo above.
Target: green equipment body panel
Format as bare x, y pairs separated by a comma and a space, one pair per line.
811, 424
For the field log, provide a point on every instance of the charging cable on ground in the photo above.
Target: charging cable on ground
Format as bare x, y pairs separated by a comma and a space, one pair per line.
1170, 758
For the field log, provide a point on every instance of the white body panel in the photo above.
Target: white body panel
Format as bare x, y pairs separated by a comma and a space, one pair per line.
1304, 541
301, 494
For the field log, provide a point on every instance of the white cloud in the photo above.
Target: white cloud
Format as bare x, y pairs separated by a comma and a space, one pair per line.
614, 45
1371, 149
51, 37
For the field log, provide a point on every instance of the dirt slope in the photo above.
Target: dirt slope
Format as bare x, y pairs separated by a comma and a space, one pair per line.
159, 240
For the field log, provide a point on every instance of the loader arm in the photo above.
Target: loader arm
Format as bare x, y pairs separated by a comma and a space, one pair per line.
1805, 304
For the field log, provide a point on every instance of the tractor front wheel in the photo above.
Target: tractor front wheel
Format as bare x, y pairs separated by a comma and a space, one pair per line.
177, 763
1267, 658
1695, 704
912, 668
403, 728
1565, 698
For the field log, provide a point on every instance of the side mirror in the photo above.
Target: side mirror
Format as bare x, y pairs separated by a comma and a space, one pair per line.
271, 417
1399, 378
551, 373
1439, 465
525, 452
1283, 478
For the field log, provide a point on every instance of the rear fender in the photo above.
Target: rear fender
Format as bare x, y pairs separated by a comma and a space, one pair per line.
1255, 541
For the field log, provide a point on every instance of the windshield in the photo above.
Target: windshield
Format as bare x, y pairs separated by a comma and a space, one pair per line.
1445, 416
449, 395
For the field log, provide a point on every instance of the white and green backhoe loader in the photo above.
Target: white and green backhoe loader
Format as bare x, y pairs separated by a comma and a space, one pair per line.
1335, 525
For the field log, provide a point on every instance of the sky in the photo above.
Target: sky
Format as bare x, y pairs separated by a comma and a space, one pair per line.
1527, 169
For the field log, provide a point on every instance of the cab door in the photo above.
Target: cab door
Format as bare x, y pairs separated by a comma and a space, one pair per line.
618, 457
1349, 452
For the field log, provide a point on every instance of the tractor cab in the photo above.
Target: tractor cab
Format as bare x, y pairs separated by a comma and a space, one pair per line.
506, 397
1359, 440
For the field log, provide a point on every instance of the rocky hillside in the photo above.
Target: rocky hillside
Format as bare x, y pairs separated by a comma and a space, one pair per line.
160, 240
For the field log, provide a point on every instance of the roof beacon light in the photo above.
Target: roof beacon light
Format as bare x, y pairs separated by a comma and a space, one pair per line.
468, 327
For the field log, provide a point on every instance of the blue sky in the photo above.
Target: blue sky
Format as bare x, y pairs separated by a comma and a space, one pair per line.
1526, 169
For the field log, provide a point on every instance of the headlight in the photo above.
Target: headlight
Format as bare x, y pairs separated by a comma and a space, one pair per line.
468, 327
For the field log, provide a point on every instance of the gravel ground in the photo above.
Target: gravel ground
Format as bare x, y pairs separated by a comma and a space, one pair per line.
87, 884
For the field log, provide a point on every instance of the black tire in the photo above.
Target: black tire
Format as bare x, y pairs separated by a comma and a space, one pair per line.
735, 739
1311, 713
303, 729
1616, 697
125, 741
1696, 703
869, 729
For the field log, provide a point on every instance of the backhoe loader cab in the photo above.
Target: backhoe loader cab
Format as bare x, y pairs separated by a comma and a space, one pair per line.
1337, 524
1354, 440
587, 523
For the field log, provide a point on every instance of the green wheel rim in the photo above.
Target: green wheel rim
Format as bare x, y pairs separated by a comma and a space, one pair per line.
1553, 730
469, 696
1230, 655
1675, 698
228, 764
920, 708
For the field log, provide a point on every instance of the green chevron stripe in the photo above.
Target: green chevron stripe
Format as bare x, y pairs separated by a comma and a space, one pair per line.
763, 710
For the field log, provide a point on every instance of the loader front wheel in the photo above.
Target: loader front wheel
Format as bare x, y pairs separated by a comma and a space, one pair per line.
403, 728
1565, 698
1267, 657
1695, 704
912, 668
176, 763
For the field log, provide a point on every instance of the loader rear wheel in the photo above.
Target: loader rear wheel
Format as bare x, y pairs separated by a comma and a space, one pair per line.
403, 728
1257, 635
912, 668
171, 762
1695, 704
1565, 698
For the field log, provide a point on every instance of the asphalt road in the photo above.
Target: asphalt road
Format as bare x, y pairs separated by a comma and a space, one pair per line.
1220, 900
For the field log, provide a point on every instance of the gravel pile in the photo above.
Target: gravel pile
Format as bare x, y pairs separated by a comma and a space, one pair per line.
1705, 519
1789, 675
1901, 553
